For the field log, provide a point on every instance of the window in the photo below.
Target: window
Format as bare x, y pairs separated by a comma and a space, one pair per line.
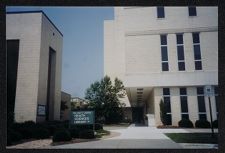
192, 11
201, 103
216, 99
184, 103
180, 52
197, 51
166, 98
164, 53
160, 12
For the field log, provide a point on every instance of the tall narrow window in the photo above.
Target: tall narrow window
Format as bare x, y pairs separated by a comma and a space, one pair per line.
201, 103
164, 53
184, 103
216, 99
160, 12
192, 11
166, 98
197, 51
180, 52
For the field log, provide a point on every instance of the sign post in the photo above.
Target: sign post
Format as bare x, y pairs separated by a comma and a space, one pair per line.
209, 92
83, 117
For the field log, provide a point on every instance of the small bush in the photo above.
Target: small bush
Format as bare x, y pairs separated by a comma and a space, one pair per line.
13, 136
86, 134
98, 126
215, 124
29, 124
185, 123
74, 132
202, 124
41, 133
61, 135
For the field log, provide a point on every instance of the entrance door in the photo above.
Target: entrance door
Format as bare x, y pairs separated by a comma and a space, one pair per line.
137, 115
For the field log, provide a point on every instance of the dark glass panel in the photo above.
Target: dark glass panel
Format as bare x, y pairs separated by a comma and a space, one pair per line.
160, 12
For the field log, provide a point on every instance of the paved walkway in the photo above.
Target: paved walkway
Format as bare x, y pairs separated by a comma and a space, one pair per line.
131, 137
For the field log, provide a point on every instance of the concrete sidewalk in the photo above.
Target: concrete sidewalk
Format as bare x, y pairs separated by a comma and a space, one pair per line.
131, 137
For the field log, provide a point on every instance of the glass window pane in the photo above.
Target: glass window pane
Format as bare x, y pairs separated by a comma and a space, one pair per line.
181, 66
201, 104
160, 12
183, 91
163, 39
185, 116
195, 37
168, 119
200, 90
180, 52
165, 66
202, 117
164, 53
179, 39
192, 11
217, 106
198, 65
166, 91
197, 52
184, 105
216, 89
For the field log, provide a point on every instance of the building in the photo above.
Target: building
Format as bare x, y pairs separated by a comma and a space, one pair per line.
65, 106
79, 103
34, 58
168, 53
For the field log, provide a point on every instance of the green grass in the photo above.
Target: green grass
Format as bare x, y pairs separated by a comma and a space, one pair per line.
193, 137
101, 133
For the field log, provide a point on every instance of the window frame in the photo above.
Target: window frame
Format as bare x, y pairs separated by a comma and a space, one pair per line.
190, 11
197, 60
201, 95
160, 15
164, 45
180, 45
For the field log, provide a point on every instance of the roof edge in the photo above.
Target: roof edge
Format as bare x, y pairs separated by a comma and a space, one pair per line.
37, 11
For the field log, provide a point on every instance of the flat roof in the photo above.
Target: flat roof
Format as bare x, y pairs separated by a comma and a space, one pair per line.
38, 11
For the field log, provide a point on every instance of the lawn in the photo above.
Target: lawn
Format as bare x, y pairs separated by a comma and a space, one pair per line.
193, 137
101, 133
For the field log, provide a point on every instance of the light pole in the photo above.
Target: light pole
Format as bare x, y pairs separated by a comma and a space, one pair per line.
208, 92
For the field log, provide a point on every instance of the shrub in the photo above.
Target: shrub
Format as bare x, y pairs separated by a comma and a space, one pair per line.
185, 123
41, 133
98, 126
13, 136
27, 132
29, 124
215, 124
86, 134
61, 135
74, 132
202, 124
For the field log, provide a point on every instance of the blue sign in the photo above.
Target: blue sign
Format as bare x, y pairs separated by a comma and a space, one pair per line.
82, 117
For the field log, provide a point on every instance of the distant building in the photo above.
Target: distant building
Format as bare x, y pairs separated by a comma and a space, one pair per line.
168, 53
78, 103
65, 106
34, 59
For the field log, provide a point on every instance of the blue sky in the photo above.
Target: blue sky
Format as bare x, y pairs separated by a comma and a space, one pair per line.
82, 28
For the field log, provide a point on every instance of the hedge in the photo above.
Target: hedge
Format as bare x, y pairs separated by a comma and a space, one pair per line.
202, 124
61, 135
185, 123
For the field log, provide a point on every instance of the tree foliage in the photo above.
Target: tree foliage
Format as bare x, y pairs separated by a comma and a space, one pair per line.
163, 112
104, 97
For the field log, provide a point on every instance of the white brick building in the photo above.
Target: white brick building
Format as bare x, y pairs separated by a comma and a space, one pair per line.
167, 53
34, 55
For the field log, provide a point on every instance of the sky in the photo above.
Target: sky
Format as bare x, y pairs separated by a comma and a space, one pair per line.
82, 29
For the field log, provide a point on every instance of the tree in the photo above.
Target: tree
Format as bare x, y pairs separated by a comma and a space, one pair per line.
104, 97
163, 112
